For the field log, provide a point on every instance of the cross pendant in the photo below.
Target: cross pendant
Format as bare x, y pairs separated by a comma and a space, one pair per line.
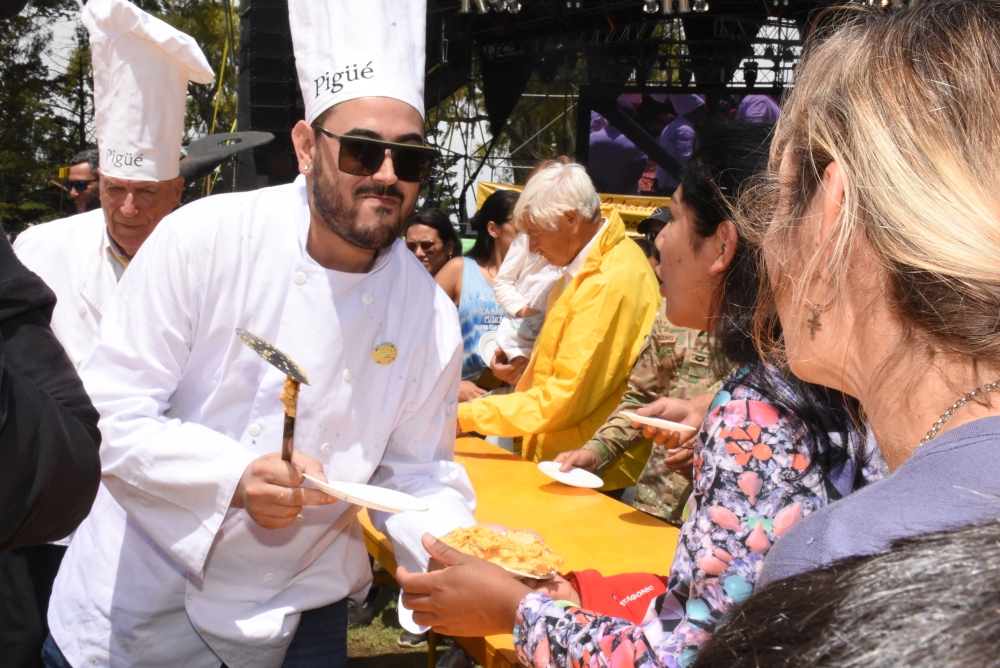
814, 322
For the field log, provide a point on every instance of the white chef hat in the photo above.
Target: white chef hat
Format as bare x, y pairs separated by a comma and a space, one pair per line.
346, 49
141, 71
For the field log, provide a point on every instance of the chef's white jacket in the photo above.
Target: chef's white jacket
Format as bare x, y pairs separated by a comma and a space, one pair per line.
164, 572
74, 257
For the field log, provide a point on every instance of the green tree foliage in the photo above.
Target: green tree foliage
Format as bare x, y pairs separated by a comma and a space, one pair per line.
34, 138
74, 94
46, 94
211, 108
214, 25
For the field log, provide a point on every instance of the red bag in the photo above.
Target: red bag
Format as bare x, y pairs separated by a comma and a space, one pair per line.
626, 596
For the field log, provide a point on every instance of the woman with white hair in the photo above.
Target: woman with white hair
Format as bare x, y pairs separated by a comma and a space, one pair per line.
882, 260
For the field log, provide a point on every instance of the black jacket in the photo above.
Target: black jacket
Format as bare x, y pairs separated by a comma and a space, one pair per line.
49, 461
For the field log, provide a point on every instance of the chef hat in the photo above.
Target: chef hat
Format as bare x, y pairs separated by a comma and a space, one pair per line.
358, 48
141, 72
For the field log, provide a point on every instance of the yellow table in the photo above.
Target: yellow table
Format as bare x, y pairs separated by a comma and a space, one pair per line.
587, 529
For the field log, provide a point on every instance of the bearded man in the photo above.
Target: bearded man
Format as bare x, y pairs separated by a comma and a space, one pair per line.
203, 547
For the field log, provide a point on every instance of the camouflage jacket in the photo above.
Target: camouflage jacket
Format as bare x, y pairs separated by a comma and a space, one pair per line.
673, 362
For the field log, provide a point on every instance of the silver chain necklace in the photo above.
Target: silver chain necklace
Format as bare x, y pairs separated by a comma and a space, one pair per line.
961, 401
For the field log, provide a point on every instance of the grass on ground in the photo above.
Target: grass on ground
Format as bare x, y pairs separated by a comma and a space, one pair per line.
374, 645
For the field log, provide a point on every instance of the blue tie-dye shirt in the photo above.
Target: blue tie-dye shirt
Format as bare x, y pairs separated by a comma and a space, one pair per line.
480, 313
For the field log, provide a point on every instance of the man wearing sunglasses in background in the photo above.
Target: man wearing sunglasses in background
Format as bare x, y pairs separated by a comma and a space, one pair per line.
206, 537
81, 182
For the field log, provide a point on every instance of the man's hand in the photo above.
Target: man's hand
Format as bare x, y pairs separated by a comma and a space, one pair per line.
466, 597
581, 458
681, 460
269, 489
509, 371
467, 391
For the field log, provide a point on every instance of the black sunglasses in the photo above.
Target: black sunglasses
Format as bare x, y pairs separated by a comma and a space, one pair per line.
363, 156
78, 185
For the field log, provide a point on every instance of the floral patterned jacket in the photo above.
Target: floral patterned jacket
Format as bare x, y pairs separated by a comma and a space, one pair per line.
754, 478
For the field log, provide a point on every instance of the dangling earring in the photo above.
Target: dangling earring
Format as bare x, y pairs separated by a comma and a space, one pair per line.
814, 321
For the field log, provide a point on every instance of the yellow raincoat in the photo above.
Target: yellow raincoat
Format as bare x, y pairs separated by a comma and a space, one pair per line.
582, 359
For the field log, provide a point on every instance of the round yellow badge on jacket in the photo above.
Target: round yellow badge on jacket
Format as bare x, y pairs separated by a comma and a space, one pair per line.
385, 352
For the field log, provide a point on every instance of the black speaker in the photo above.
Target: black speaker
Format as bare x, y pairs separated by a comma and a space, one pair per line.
268, 97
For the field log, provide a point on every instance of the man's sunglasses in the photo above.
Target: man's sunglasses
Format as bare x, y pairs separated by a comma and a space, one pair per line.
425, 246
363, 156
78, 185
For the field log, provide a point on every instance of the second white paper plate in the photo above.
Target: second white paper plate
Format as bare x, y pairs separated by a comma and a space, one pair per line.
574, 477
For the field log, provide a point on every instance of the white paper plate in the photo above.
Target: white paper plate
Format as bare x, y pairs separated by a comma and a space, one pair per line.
574, 477
682, 429
487, 346
369, 496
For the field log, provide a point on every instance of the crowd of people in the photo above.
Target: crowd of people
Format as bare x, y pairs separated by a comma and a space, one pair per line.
859, 332
806, 305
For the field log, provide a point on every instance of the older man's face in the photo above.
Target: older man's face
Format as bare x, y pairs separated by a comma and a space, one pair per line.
560, 245
133, 209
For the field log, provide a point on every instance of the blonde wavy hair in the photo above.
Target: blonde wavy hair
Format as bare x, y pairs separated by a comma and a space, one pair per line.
907, 102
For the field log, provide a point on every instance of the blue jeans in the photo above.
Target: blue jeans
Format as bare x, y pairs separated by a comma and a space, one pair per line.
52, 657
319, 642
